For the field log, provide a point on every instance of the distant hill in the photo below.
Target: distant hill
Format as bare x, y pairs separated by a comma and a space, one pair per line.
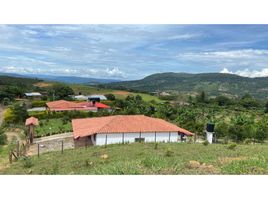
211, 83
64, 79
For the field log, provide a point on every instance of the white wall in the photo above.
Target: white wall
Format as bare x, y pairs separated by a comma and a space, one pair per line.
130, 137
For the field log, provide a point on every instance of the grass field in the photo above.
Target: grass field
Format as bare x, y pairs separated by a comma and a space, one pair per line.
147, 158
52, 126
87, 90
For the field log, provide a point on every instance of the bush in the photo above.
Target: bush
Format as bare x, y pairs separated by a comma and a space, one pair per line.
3, 137
27, 162
169, 153
248, 141
38, 103
206, 143
110, 97
232, 146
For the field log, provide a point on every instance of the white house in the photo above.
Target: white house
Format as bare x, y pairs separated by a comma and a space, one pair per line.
125, 129
33, 95
81, 97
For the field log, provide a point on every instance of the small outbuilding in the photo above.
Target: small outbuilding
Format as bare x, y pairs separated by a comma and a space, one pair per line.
33, 95
31, 123
125, 129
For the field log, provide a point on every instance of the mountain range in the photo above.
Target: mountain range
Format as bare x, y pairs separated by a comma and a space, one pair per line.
212, 83
64, 79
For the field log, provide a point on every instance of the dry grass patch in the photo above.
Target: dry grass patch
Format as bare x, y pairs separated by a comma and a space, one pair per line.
193, 164
121, 92
227, 160
42, 84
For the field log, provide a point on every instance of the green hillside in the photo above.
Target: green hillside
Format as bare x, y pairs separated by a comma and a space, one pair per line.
212, 83
149, 158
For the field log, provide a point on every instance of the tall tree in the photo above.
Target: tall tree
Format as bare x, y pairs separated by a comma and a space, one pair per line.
60, 91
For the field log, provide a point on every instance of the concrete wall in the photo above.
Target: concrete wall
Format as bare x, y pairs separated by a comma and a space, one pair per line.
130, 137
84, 141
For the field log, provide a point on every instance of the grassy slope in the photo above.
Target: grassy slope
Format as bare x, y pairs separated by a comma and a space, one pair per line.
119, 94
172, 158
212, 83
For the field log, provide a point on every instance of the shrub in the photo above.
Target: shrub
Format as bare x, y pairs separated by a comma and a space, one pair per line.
248, 141
154, 163
66, 119
3, 137
27, 162
169, 153
232, 146
55, 168
38, 103
206, 143
110, 97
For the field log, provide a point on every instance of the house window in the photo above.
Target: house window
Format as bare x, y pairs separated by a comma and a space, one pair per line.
139, 139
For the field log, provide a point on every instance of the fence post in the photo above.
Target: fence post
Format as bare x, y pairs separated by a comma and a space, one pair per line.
38, 150
123, 138
140, 136
62, 147
18, 149
105, 140
169, 137
155, 137
10, 157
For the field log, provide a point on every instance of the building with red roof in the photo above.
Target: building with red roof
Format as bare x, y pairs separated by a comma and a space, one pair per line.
125, 128
31, 123
63, 105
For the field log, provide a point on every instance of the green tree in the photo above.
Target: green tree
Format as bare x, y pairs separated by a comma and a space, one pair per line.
222, 100
266, 107
16, 114
138, 98
6, 101
221, 129
60, 91
20, 112
262, 131
3, 137
201, 98
110, 97
248, 101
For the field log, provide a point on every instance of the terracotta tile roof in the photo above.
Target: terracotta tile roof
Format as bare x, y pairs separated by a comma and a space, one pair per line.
62, 105
123, 124
101, 105
31, 121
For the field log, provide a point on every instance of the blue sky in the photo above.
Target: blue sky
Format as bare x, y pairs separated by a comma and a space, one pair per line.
133, 51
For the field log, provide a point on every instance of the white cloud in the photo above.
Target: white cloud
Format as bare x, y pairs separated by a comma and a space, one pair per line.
242, 53
247, 72
183, 36
244, 62
77, 71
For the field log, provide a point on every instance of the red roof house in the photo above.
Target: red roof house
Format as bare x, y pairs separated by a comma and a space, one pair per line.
119, 128
63, 105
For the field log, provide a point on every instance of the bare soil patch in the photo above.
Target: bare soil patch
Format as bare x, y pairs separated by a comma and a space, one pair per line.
42, 84
121, 92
